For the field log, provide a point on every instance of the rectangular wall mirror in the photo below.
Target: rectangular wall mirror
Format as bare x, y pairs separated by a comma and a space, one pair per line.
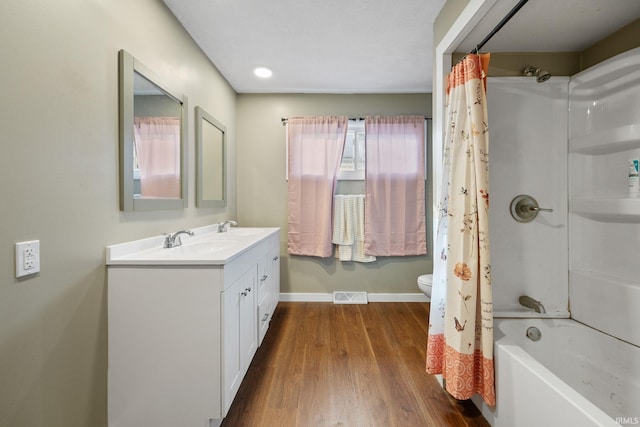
153, 140
211, 180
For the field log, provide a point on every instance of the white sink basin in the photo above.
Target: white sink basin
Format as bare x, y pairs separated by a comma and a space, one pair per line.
243, 231
206, 247
201, 248
236, 234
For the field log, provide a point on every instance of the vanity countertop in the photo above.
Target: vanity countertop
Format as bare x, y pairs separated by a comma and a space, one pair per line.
205, 247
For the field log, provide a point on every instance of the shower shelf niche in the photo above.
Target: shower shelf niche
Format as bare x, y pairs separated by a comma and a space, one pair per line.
604, 219
609, 141
607, 209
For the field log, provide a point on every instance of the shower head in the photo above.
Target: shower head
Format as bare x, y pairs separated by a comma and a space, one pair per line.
540, 74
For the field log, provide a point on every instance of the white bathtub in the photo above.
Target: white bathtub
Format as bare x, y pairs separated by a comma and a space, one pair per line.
573, 376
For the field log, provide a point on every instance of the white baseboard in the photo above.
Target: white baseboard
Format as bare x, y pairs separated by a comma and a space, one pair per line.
306, 297
320, 297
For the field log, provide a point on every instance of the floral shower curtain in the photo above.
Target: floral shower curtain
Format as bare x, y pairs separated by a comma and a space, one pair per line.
460, 342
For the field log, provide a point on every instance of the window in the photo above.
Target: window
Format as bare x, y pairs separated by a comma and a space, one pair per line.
353, 156
352, 167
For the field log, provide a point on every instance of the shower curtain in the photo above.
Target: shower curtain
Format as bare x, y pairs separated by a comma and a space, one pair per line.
460, 341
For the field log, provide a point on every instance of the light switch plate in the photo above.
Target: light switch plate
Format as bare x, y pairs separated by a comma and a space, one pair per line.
27, 258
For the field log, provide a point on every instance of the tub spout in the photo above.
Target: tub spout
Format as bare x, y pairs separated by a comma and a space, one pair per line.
529, 302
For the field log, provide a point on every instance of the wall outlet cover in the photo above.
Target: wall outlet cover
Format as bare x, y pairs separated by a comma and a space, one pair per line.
27, 258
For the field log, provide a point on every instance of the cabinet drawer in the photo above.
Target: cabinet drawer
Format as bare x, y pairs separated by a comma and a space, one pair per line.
264, 316
263, 280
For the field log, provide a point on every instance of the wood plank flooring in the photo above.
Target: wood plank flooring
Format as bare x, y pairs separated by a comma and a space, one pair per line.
323, 364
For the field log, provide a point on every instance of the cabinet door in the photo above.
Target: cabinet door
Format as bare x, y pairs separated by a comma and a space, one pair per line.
248, 321
240, 332
232, 367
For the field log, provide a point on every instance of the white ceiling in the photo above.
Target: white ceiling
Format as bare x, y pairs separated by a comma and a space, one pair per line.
333, 46
373, 46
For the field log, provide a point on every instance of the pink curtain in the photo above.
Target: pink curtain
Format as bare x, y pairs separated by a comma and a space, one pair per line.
157, 146
460, 342
395, 190
315, 152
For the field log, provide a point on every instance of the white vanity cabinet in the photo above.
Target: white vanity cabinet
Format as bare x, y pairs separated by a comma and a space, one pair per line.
183, 330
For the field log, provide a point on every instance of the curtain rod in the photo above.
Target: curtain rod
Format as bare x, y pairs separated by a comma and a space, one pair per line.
501, 24
285, 120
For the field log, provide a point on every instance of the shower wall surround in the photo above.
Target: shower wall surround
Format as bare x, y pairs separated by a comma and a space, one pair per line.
528, 131
604, 221
567, 142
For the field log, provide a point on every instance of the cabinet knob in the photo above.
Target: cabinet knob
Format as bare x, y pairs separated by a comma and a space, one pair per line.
264, 278
275, 258
247, 289
266, 316
244, 294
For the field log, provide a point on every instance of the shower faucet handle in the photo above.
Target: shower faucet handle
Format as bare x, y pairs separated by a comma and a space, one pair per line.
524, 208
537, 209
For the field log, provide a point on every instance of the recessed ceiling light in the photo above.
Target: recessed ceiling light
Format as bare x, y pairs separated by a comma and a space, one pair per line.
263, 72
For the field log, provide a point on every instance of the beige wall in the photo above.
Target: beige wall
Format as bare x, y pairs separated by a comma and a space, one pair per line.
262, 187
628, 37
512, 64
59, 184
445, 19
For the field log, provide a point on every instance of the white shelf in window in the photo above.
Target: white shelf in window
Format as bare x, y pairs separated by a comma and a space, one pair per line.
623, 209
608, 141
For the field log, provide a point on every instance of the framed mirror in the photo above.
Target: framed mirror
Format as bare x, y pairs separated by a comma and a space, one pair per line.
153, 140
211, 180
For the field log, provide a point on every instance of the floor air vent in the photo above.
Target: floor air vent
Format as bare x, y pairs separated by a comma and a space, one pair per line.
350, 298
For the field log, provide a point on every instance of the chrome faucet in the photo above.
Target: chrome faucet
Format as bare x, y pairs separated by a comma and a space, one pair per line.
532, 304
222, 227
173, 240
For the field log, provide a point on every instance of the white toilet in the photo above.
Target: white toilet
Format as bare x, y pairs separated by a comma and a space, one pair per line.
424, 283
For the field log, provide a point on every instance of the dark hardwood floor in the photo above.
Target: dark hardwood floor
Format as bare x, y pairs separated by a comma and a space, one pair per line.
346, 365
